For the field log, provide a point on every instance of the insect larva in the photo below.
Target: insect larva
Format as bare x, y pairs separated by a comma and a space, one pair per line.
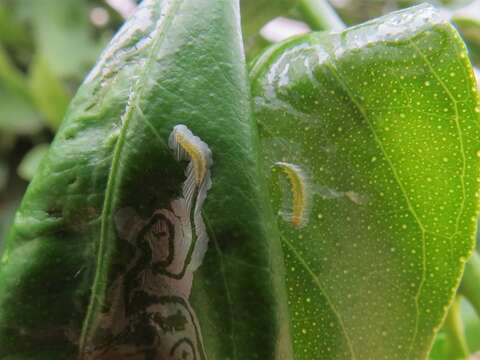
187, 146
300, 192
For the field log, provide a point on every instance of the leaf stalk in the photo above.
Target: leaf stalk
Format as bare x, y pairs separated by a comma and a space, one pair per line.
320, 15
458, 348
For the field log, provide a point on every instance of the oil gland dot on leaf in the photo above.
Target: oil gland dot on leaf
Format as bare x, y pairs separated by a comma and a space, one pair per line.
299, 189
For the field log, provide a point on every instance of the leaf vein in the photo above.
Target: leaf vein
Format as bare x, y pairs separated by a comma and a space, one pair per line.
325, 294
380, 144
161, 25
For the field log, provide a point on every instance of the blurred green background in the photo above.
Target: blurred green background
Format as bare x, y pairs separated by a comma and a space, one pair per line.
46, 49
48, 46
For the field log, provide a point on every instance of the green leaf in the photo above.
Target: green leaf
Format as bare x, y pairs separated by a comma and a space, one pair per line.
17, 115
380, 127
472, 326
105, 255
63, 35
455, 330
30, 162
442, 344
471, 278
440, 347
11, 78
12, 32
48, 92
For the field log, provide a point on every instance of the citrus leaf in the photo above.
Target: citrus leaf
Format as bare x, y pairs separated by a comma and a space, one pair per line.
371, 139
11, 77
442, 346
30, 162
12, 31
472, 326
17, 115
63, 35
48, 92
145, 221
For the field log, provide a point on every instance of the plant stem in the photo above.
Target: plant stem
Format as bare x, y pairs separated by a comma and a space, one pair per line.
470, 286
458, 348
320, 15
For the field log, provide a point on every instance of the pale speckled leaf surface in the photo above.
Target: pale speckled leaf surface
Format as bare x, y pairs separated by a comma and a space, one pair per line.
383, 122
85, 273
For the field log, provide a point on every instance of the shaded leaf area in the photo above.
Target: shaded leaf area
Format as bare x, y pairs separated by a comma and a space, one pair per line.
87, 268
381, 124
472, 326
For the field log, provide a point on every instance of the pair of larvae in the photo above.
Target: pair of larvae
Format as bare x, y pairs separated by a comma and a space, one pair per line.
187, 145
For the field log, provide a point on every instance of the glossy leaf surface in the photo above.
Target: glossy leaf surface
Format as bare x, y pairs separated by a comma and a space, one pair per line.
105, 258
380, 125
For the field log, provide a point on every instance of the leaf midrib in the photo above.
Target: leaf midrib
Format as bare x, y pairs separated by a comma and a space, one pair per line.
410, 207
259, 69
319, 285
161, 26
